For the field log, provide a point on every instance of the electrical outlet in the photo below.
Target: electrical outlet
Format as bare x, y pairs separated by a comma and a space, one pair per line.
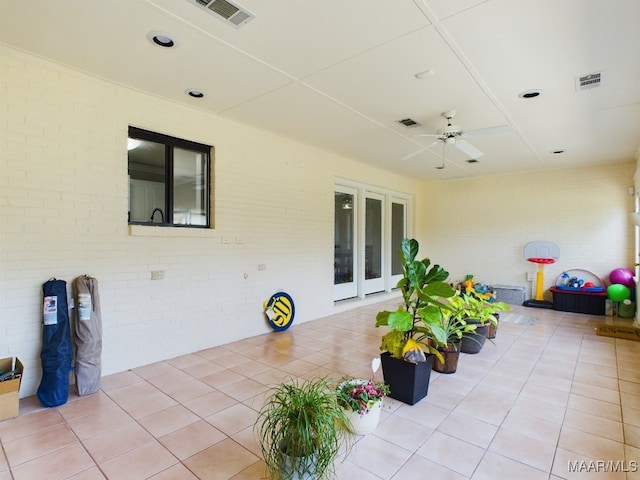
157, 274
261, 267
529, 277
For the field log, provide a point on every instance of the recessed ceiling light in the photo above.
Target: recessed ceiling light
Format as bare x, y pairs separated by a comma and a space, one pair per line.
530, 94
192, 92
161, 39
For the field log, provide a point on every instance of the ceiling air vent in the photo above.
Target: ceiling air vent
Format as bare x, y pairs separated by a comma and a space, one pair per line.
229, 12
408, 122
589, 81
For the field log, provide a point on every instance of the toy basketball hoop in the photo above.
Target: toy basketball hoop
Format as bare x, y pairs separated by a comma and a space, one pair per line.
540, 253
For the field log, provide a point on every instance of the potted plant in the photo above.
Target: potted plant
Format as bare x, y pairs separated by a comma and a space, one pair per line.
447, 333
481, 312
300, 429
362, 400
405, 366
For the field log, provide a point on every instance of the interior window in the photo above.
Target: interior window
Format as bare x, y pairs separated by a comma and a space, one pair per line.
169, 180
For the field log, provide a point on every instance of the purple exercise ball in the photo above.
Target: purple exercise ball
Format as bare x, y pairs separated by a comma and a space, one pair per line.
622, 276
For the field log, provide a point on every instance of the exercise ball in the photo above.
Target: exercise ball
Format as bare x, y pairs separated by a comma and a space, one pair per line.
618, 292
623, 276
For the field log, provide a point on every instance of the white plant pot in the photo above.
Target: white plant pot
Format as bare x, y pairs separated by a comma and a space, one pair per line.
366, 423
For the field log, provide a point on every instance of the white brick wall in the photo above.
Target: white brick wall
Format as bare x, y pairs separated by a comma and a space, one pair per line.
63, 210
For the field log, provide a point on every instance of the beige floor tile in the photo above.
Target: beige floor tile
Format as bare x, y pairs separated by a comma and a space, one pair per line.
469, 429
99, 422
494, 466
61, 463
418, 467
244, 389
445, 451
600, 426
593, 391
220, 461
378, 456
166, 421
403, 432
521, 447
92, 473
533, 427
595, 407
116, 441
38, 444
233, 419
590, 445
187, 391
24, 425
191, 439
175, 472
210, 403
139, 463
632, 436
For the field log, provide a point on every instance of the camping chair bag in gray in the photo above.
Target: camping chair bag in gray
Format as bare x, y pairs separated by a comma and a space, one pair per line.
87, 335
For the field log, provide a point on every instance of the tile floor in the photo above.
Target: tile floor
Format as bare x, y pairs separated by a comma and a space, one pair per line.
543, 398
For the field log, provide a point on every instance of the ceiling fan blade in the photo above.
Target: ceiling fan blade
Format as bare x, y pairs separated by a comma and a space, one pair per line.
490, 131
468, 149
419, 151
428, 135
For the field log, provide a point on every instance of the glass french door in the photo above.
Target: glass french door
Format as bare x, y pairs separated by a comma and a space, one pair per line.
373, 243
368, 230
398, 233
345, 252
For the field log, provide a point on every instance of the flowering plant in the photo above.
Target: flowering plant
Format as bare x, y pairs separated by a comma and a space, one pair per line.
360, 395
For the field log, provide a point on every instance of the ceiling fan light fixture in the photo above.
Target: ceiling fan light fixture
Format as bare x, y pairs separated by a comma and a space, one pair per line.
531, 93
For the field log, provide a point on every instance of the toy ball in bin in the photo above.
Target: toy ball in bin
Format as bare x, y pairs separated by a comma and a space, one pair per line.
618, 292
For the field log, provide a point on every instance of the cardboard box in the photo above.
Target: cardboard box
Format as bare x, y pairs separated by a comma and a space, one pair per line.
10, 389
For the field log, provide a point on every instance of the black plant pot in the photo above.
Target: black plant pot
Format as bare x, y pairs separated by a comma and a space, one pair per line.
408, 382
450, 356
472, 342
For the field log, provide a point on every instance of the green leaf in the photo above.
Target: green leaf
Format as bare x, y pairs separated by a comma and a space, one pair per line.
408, 250
382, 318
400, 320
393, 342
416, 272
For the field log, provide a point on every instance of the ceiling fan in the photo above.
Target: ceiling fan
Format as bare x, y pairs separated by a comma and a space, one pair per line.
450, 135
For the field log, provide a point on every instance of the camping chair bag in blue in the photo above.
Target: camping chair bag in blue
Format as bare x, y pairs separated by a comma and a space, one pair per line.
57, 353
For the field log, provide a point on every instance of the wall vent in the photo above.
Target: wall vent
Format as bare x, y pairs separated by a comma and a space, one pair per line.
589, 81
409, 122
229, 12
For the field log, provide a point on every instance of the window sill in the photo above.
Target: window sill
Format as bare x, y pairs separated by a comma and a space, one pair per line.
151, 231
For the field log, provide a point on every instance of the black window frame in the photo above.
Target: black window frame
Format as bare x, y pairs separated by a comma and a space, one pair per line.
170, 143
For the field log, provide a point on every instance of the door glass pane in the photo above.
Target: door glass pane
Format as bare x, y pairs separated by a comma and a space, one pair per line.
373, 239
344, 240
397, 234
190, 193
147, 182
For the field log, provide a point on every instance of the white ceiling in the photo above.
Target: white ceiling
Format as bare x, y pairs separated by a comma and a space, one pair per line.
339, 74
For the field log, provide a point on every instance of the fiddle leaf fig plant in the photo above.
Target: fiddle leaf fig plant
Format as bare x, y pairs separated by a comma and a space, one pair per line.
423, 289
